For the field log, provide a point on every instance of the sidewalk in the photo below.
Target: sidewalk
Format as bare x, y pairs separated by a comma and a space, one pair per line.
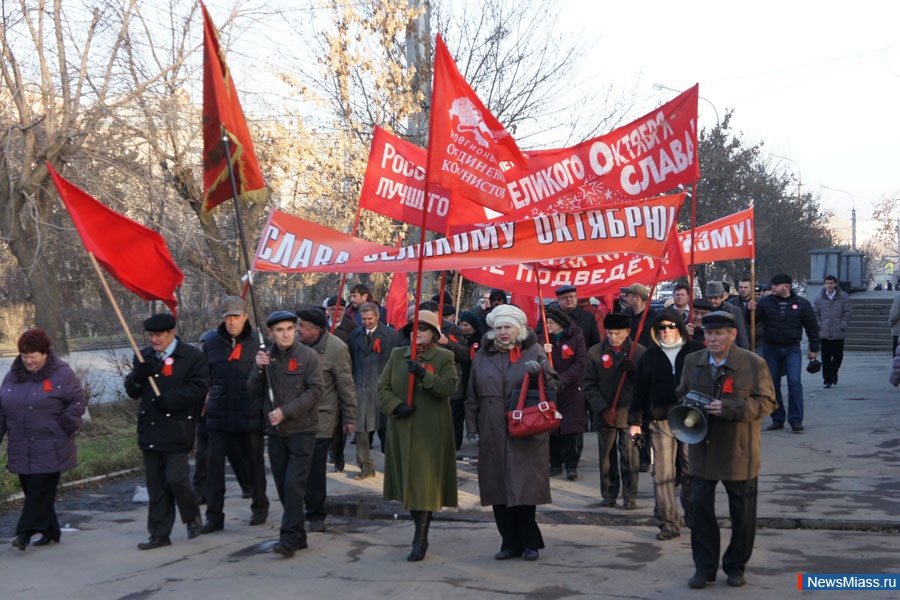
827, 504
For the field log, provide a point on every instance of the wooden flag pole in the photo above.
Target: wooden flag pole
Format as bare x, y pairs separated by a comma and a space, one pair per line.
137, 351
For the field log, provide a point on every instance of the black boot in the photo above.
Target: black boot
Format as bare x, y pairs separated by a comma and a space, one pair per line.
422, 520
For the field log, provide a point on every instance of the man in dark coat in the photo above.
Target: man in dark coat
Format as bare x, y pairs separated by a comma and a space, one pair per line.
370, 348
607, 364
655, 380
171, 379
718, 296
338, 404
233, 417
334, 310
294, 375
567, 296
739, 385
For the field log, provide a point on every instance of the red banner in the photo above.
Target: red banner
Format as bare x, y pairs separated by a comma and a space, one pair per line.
728, 238
649, 156
292, 244
466, 142
221, 108
394, 186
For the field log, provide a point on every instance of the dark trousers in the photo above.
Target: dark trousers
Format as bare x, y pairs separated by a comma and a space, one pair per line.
705, 537
250, 446
239, 465
291, 458
832, 357
315, 487
338, 442
458, 414
517, 527
168, 485
564, 450
38, 512
611, 442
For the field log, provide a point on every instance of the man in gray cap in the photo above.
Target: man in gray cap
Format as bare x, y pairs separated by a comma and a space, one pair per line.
738, 384
717, 296
171, 379
338, 401
294, 375
233, 416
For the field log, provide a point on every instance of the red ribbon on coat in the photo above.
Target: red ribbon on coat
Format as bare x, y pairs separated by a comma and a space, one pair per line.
292, 364
376, 346
236, 353
48, 387
515, 353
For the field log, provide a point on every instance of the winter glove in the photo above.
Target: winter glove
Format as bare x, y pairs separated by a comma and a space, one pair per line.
533, 367
145, 370
416, 368
404, 410
627, 366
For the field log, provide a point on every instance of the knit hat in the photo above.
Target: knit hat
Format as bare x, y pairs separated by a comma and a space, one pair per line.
561, 318
314, 315
507, 313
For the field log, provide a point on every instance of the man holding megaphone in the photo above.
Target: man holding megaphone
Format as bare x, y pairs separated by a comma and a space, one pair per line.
735, 388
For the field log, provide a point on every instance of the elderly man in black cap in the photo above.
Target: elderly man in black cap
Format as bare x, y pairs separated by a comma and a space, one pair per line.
171, 379
738, 385
607, 364
785, 316
293, 373
567, 297
233, 416
338, 402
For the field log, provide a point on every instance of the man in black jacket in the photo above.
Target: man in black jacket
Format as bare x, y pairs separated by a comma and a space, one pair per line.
233, 417
657, 376
567, 296
785, 316
171, 380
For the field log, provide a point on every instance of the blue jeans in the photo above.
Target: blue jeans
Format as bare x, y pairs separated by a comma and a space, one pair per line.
786, 360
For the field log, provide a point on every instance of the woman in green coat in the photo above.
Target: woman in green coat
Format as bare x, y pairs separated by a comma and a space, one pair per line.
420, 457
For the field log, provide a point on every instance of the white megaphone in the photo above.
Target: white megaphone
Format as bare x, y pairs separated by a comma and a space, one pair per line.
688, 419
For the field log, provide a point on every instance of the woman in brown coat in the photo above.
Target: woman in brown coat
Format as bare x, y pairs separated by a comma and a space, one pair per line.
512, 472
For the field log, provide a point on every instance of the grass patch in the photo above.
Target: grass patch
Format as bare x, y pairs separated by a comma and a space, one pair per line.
106, 444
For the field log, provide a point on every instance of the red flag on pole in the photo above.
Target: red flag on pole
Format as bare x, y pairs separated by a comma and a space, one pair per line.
137, 257
397, 301
222, 111
466, 142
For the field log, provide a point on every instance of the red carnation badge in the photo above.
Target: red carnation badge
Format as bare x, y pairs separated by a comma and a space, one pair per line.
567, 352
167, 366
728, 386
607, 361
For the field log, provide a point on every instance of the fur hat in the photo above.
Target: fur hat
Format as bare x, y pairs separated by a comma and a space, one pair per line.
616, 321
715, 289
782, 278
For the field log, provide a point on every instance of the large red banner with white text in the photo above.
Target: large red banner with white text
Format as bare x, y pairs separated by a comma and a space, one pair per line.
652, 155
292, 244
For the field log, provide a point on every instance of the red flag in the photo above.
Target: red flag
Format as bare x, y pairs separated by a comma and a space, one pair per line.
466, 142
397, 300
222, 109
137, 257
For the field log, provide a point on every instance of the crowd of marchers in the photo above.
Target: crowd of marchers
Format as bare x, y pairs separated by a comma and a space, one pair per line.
324, 378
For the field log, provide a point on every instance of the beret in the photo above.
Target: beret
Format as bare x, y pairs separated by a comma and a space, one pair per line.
160, 322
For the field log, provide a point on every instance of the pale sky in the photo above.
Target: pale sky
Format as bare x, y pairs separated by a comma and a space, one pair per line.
818, 82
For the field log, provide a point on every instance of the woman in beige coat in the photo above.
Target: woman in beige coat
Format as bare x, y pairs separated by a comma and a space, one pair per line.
512, 472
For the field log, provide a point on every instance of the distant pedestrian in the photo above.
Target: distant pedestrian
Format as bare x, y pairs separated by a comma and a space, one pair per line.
832, 310
41, 405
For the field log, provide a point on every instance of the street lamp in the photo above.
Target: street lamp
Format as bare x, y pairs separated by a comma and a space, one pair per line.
799, 175
852, 213
659, 86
